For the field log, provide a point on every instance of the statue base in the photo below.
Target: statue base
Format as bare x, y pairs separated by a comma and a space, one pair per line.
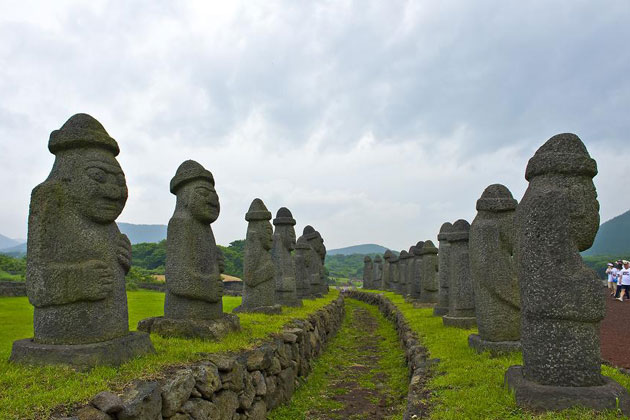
538, 398
206, 329
440, 311
496, 348
269, 310
464, 322
83, 356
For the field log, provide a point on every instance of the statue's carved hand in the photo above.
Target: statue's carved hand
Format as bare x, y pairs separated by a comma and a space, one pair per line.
123, 252
99, 279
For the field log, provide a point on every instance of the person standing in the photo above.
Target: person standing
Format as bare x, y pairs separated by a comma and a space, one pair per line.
611, 272
624, 280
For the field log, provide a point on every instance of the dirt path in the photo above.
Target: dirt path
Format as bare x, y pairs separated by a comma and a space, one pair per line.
361, 375
614, 337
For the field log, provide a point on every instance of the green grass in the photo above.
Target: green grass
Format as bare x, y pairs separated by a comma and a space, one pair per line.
32, 392
4, 276
468, 385
315, 396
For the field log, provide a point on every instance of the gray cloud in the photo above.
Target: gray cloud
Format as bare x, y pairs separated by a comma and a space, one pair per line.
373, 121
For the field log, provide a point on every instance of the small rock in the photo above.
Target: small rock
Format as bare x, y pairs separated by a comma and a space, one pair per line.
226, 403
142, 401
207, 379
90, 413
200, 409
176, 390
259, 383
107, 402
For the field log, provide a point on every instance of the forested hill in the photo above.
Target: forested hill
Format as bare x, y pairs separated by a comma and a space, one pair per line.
613, 237
358, 249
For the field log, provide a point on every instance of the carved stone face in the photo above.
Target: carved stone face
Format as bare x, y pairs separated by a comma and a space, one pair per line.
584, 211
266, 236
203, 201
288, 237
95, 183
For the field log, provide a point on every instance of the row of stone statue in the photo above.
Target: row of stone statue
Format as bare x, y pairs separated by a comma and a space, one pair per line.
516, 272
78, 258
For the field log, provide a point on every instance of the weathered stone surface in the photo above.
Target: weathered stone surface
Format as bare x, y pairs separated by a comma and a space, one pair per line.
193, 277
82, 356
283, 243
200, 409
387, 258
107, 402
461, 311
176, 390
539, 398
378, 273
429, 266
415, 271
208, 329
142, 401
233, 379
226, 403
368, 274
557, 218
246, 396
394, 280
259, 358
75, 274
207, 379
404, 259
495, 348
319, 282
493, 271
302, 268
90, 413
259, 288
259, 383
258, 411
443, 270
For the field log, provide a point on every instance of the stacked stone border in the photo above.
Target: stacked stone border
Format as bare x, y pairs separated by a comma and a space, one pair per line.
417, 362
12, 288
239, 386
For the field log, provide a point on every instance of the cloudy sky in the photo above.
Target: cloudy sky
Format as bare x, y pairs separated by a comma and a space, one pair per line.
374, 121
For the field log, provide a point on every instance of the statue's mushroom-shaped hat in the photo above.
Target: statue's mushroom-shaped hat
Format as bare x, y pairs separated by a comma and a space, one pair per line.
81, 130
562, 154
189, 171
496, 198
257, 211
284, 217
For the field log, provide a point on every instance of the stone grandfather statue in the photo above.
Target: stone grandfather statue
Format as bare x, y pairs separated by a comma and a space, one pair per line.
283, 243
193, 306
259, 288
303, 268
403, 261
378, 273
429, 269
493, 271
387, 257
415, 271
443, 270
319, 285
461, 310
77, 257
368, 268
558, 218
394, 279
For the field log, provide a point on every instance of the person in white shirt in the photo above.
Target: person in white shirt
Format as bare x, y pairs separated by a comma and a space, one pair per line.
611, 271
624, 280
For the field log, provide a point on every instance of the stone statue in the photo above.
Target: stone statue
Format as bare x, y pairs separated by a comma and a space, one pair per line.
283, 244
443, 272
193, 306
77, 257
259, 286
558, 218
368, 272
394, 278
402, 272
378, 273
415, 274
493, 271
461, 310
315, 240
302, 268
387, 258
429, 270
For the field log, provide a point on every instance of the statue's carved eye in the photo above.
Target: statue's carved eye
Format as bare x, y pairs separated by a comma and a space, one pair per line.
97, 174
203, 192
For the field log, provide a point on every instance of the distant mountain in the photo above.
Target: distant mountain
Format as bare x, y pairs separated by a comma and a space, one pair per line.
15, 251
358, 249
143, 233
6, 242
613, 237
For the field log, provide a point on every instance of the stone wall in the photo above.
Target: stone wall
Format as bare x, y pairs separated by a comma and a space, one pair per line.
12, 288
417, 362
239, 386
153, 286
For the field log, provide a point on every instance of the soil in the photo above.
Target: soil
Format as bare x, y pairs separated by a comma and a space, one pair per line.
614, 333
360, 402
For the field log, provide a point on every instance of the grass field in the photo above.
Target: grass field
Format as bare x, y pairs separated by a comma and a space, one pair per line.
34, 392
470, 385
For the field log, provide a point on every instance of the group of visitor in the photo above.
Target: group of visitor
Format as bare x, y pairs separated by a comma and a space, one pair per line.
619, 279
